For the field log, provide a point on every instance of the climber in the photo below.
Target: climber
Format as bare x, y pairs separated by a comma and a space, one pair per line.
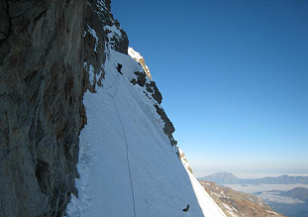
186, 209
119, 67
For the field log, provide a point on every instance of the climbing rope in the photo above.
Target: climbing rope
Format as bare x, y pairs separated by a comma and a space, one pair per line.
117, 87
126, 143
127, 157
117, 76
115, 79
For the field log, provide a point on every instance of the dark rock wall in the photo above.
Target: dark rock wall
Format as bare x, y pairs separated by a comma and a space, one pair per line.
46, 50
42, 81
5, 23
41, 110
43, 49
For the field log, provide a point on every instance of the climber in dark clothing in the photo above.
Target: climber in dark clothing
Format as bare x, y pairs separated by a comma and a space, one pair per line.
119, 67
186, 209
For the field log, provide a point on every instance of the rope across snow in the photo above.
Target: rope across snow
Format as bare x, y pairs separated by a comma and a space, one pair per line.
126, 143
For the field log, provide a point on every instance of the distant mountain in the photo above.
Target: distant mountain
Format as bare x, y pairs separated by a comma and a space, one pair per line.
299, 193
292, 203
229, 178
221, 178
238, 204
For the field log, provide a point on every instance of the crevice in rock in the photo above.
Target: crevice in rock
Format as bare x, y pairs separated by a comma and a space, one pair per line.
20, 15
5, 22
38, 17
42, 173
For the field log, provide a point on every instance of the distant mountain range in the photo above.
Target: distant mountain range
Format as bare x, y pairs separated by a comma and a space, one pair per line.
292, 203
229, 178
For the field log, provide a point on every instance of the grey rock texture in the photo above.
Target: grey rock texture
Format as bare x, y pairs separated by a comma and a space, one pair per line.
41, 111
5, 22
44, 54
169, 128
152, 88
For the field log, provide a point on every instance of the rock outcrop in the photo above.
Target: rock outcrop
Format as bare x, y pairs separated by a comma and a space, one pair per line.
153, 92
137, 56
185, 163
44, 46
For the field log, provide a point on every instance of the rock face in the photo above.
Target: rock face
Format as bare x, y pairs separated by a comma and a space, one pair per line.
238, 204
5, 23
153, 92
41, 111
43, 47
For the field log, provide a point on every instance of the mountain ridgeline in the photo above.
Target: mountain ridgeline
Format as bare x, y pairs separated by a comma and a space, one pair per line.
229, 178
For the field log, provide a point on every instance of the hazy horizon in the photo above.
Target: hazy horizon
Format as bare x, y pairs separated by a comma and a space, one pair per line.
247, 175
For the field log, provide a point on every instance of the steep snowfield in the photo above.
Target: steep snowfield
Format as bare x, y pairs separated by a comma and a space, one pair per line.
207, 204
126, 164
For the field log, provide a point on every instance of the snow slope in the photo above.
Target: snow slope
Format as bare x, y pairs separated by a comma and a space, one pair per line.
126, 164
207, 204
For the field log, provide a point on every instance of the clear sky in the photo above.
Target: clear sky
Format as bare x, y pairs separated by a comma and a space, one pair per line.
234, 77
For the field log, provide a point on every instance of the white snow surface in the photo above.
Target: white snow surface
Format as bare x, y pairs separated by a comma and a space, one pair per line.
207, 204
272, 212
127, 165
91, 74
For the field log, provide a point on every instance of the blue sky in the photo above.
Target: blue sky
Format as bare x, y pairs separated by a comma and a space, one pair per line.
234, 77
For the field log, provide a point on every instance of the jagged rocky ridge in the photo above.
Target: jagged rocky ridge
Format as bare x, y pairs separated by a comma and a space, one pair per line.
51, 53
152, 90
